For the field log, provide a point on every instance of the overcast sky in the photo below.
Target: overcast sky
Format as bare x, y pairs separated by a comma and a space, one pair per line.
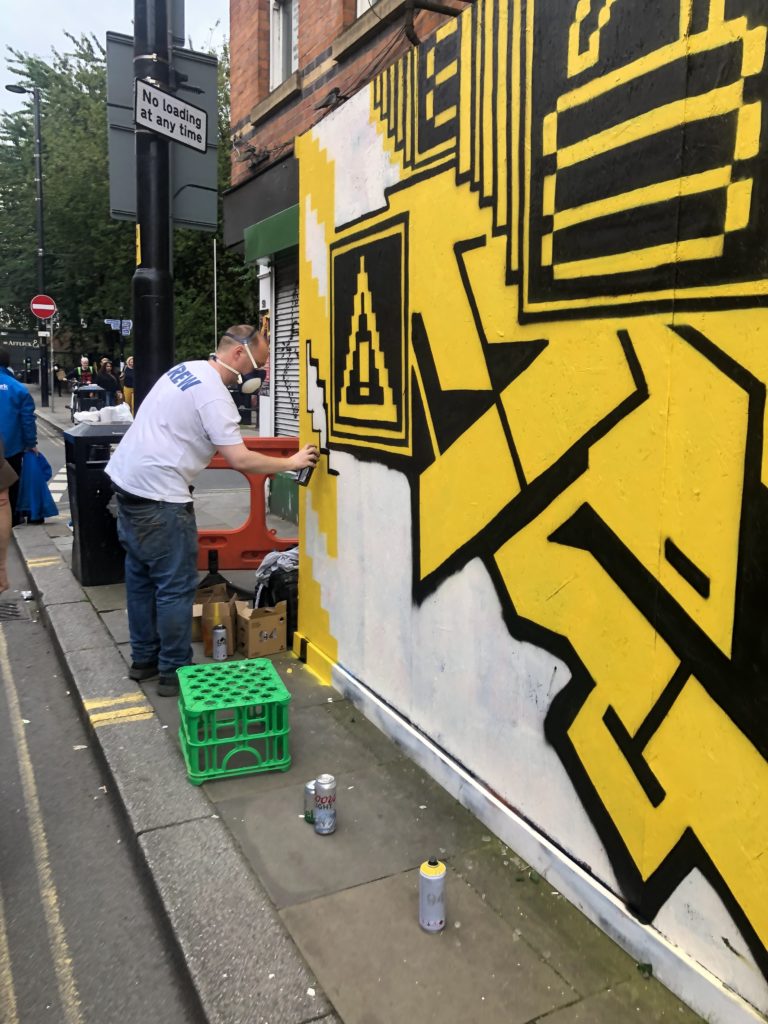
36, 26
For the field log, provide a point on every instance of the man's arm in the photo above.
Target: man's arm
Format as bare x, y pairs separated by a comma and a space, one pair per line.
241, 458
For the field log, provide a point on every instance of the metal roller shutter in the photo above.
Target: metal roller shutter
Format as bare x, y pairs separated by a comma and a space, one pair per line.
285, 339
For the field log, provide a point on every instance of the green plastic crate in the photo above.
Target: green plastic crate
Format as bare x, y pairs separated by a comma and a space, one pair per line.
234, 719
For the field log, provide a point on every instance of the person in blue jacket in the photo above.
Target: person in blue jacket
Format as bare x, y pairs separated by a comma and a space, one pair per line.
18, 428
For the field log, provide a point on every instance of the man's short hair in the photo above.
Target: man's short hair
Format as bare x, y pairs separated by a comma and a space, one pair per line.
241, 334
5, 357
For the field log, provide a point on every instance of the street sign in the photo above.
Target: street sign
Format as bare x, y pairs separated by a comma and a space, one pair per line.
124, 327
43, 307
166, 114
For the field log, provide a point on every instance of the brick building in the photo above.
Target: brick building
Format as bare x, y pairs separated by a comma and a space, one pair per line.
293, 61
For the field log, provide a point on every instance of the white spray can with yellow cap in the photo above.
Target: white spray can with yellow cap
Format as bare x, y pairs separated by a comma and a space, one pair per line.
432, 895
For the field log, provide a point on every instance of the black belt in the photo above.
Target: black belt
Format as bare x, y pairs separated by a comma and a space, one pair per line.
134, 499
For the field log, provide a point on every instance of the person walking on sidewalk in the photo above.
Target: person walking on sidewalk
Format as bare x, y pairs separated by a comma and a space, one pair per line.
106, 379
127, 381
18, 429
186, 417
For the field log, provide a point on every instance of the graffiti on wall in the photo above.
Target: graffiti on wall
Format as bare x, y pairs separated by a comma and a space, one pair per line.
554, 324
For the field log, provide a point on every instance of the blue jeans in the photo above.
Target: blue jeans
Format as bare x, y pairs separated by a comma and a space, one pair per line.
160, 541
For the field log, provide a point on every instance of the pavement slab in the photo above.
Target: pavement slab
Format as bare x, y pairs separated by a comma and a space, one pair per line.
55, 583
638, 1000
390, 817
477, 970
108, 598
117, 624
78, 627
139, 754
246, 968
99, 674
562, 935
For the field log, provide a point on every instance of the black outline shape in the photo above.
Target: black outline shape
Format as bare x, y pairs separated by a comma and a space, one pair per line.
651, 786
683, 565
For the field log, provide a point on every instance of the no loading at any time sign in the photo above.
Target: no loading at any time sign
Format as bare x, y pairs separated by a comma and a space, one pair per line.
168, 115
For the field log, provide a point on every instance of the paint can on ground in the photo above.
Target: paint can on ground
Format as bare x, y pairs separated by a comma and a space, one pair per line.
309, 801
432, 895
325, 805
219, 640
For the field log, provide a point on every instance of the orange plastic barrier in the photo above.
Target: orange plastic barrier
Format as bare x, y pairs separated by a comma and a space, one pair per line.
245, 547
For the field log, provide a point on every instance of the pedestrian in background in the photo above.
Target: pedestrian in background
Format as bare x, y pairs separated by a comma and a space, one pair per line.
187, 416
82, 374
18, 428
127, 382
107, 380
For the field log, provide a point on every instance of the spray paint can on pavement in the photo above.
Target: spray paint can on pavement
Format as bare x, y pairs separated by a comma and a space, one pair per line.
309, 801
432, 895
325, 805
219, 640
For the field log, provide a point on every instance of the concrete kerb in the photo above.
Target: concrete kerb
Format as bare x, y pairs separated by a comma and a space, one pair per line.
226, 931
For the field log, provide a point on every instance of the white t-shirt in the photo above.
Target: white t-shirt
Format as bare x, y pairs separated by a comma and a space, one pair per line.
187, 415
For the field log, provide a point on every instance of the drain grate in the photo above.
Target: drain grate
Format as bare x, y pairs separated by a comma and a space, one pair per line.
10, 610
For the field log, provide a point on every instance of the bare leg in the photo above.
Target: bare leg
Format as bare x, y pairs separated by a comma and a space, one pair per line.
5, 537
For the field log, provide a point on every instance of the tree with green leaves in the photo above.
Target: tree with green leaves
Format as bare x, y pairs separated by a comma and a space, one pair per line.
89, 256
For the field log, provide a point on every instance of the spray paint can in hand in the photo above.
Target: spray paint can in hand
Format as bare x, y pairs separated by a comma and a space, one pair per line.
219, 641
325, 805
309, 801
432, 895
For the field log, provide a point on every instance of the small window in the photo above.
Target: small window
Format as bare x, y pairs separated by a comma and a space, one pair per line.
284, 41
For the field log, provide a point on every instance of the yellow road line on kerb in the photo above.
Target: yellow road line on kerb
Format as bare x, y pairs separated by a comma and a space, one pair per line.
62, 961
40, 563
8, 1009
128, 715
111, 702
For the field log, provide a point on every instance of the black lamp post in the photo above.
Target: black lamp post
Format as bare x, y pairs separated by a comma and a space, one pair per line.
35, 94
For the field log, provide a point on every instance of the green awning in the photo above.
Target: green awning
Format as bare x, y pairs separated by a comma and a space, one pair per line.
273, 234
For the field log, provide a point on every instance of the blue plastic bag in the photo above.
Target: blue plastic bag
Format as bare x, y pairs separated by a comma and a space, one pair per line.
34, 499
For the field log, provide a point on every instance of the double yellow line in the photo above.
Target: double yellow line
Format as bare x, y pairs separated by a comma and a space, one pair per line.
130, 707
49, 897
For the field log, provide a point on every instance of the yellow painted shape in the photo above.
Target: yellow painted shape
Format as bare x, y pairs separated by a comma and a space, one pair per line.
466, 98
669, 115
446, 73
463, 490
113, 702
748, 126
738, 205
43, 562
642, 259
548, 200
568, 388
565, 590
753, 53
514, 169
438, 292
500, 127
317, 661
578, 59
717, 782
314, 621
663, 191
445, 117
715, 36
546, 250
487, 129
686, 11
703, 475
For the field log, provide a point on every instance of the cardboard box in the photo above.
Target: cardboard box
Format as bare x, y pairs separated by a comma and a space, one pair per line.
213, 606
261, 631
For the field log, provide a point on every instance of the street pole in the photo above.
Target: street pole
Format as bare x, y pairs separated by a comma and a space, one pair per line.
40, 237
153, 318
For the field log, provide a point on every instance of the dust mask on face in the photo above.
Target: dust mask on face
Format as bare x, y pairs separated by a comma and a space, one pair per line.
249, 382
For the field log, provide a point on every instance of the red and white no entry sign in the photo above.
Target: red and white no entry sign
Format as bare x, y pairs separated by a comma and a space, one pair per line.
43, 307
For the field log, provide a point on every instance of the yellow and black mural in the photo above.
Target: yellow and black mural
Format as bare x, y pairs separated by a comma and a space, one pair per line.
551, 318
